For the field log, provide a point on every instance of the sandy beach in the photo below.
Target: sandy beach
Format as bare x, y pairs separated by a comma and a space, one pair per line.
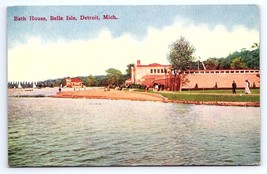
112, 94
141, 96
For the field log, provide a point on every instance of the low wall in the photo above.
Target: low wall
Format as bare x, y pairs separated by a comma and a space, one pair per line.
207, 79
224, 79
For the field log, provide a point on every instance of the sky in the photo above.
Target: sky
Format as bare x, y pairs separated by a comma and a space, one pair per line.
40, 50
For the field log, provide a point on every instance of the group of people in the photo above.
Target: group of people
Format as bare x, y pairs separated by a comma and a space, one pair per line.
118, 87
247, 90
158, 87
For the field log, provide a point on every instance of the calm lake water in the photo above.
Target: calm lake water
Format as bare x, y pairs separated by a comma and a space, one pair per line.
87, 132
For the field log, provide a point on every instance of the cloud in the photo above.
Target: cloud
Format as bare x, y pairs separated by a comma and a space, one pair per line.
40, 60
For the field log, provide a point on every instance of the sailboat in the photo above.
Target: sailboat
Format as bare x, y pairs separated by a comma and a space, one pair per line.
33, 85
19, 86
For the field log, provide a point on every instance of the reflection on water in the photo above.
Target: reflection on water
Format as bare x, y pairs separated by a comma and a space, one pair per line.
83, 132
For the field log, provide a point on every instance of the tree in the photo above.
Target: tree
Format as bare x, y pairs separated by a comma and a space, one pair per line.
238, 63
114, 76
255, 45
91, 80
63, 82
128, 70
251, 58
101, 80
181, 57
212, 63
254, 62
181, 54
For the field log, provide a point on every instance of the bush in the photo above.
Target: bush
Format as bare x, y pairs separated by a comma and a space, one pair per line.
137, 86
216, 85
254, 85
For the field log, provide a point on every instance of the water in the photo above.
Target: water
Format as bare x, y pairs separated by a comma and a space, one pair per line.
84, 132
41, 92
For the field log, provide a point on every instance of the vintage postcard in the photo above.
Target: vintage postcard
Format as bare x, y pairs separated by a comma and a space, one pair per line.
153, 85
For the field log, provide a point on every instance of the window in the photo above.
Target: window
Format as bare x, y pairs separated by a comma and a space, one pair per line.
155, 70
161, 70
158, 70
151, 71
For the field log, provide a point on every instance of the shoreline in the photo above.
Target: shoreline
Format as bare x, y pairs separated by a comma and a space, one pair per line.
141, 96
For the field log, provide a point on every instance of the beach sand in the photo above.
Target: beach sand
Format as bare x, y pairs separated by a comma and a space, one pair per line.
112, 94
140, 96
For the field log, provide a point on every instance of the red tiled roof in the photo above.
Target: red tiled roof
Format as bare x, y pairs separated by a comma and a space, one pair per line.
154, 65
76, 79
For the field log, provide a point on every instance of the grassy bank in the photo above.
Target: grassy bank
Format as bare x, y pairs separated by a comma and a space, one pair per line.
211, 95
222, 91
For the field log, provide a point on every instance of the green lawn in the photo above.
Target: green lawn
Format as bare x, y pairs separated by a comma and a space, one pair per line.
210, 95
224, 91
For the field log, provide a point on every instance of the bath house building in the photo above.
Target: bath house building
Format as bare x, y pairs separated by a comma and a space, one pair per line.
164, 75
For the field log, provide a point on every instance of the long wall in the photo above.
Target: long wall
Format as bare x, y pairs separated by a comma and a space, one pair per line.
160, 74
223, 78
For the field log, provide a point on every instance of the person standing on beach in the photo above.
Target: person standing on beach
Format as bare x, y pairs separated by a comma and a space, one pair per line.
247, 90
234, 87
59, 89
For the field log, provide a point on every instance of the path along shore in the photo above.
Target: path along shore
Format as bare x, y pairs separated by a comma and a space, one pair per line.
140, 96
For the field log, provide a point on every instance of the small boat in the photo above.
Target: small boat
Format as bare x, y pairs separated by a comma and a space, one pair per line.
19, 86
34, 86
28, 89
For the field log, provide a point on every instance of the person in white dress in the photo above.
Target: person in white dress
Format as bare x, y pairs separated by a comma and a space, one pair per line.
247, 90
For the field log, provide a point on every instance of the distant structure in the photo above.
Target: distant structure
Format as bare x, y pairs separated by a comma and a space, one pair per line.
74, 82
165, 76
141, 73
19, 85
34, 85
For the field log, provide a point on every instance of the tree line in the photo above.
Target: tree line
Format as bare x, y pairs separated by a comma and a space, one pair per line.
181, 57
244, 59
114, 77
38, 84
